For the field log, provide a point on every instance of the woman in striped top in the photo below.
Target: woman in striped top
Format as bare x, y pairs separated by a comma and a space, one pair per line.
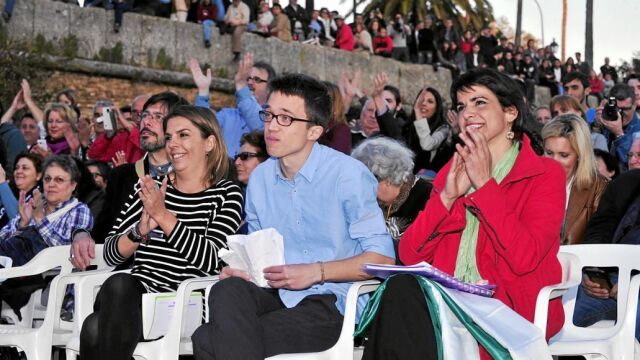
173, 227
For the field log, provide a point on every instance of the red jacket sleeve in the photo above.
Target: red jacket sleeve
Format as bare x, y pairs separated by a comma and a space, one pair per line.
523, 240
99, 148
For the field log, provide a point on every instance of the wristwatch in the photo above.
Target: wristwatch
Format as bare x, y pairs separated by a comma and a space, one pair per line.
135, 236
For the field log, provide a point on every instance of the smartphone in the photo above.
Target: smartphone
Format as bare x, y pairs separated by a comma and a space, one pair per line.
42, 143
108, 119
599, 276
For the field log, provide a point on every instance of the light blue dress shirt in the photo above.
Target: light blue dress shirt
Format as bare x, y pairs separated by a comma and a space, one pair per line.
237, 121
327, 212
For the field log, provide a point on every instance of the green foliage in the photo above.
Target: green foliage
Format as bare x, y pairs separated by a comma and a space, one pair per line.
112, 55
163, 60
17, 62
221, 72
69, 46
41, 45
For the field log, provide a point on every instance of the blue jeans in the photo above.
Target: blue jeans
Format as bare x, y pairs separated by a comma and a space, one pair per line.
589, 310
206, 26
8, 6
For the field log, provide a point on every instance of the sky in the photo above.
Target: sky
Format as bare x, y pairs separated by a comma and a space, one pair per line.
615, 24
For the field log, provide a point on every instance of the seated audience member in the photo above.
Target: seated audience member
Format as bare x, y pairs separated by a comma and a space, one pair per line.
123, 138
383, 44
620, 131
428, 130
566, 140
122, 179
634, 153
401, 195
168, 240
27, 173
280, 26
328, 28
88, 191
363, 41
100, 171
236, 20
299, 20
29, 129
367, 125
543, 114
344, 36
576, 85
494, 217
47, 220
337, 135
208, 14
253, 152
565, 104
607, 164
323, 203
265, 18
60, 124
615, 222
398, 31
67, 97
251, 83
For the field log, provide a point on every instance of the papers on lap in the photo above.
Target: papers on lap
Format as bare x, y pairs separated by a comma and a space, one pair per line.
430, 272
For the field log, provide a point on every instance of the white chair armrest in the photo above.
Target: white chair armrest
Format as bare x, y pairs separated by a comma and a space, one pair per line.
182, 295
47, 259
357, 288
571, 277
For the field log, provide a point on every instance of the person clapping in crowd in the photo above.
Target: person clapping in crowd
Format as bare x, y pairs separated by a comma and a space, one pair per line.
27, 173
168, 240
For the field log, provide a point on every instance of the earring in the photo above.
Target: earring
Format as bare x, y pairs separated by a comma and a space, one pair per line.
510, 135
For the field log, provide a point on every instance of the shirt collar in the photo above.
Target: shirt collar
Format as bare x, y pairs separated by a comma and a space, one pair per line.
64, 203
308, 169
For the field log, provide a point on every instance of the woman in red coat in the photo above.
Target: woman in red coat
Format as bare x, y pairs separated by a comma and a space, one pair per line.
493, 216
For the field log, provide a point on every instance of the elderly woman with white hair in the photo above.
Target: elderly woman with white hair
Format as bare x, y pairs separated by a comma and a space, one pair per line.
401, 195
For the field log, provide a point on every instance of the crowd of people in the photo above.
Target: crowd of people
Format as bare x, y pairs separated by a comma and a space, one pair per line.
484, 189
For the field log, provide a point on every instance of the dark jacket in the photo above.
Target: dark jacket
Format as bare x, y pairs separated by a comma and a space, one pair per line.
12, 143
298, 14
615, 200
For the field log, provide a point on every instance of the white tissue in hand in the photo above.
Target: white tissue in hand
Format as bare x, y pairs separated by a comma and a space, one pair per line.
254, 252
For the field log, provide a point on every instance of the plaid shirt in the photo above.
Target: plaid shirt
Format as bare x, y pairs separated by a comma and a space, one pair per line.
59, 231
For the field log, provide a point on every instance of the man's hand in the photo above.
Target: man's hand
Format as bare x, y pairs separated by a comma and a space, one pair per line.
594, 289
293, 277
244, 71
228, 272
202, 81
83, 250
614, 126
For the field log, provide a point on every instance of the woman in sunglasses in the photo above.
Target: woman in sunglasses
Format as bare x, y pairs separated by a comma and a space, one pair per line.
253, 151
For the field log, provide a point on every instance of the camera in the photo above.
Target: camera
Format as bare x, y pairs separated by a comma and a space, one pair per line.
610, 111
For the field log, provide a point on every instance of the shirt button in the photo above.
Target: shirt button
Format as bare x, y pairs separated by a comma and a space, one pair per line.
305, 252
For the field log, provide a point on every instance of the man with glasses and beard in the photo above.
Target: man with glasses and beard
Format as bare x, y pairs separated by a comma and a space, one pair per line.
123, 178
251, 82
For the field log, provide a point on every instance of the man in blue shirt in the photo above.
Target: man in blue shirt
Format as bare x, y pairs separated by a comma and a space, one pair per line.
619, 132
324, 205
251, 82
576, 85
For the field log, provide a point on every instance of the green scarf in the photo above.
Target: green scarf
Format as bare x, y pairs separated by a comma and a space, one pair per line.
466, 266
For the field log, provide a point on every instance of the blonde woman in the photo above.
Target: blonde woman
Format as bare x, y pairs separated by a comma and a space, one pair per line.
60, 122
568, 141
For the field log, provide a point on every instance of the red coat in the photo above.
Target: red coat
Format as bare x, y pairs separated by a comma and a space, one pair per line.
104, 149
518, 238
344, 38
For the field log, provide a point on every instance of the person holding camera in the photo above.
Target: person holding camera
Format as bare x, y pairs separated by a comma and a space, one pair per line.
398, 31
617, 115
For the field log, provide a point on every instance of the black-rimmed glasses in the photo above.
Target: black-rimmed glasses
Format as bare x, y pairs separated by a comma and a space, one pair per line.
256, 79
244, 156
159, 117
281, 119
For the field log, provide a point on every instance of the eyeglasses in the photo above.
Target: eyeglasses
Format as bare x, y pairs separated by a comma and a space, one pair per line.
244, 156
57, 180
136, 114
256, 79
155, 116
281, 119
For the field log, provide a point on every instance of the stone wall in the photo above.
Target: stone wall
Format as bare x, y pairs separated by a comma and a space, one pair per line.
142, 38
90, 88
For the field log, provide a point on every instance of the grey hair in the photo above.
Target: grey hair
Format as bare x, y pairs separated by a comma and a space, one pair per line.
66, 163
102, 103
387, 159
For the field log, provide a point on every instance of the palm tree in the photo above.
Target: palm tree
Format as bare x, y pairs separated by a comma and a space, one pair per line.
462, 12
588, 42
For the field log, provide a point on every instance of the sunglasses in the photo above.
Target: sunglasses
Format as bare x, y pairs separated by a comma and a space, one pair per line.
246, 155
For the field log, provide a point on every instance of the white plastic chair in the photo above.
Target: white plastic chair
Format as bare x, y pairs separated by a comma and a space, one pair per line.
177, 340
344, 348
37, 342
605, 339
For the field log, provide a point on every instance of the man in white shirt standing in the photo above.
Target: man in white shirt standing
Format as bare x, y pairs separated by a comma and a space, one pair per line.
236, 20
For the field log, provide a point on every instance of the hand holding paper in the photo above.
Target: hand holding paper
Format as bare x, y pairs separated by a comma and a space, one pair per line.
254, 252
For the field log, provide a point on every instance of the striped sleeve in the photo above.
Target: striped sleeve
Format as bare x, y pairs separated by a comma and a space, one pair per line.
126, 219
200, 248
